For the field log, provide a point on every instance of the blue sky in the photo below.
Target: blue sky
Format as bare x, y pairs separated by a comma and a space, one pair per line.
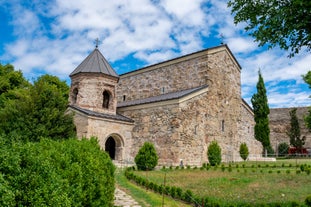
53, 37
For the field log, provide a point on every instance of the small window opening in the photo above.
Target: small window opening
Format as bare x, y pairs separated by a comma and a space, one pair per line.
163, 89
75, 95
106, 99
223, 125
124, 97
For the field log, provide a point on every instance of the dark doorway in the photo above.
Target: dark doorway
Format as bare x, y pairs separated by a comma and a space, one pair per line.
110, 147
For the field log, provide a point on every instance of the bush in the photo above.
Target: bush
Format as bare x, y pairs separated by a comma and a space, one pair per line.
146, 158
188, 196
244, 151
308, 200
56, 173
214, 154
283, 149
270, 151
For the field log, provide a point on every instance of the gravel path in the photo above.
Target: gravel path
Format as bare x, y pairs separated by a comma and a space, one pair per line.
122, 199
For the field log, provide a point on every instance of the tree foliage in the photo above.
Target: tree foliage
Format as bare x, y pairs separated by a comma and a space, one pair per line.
294, 131
283, 149
55, 173
214, 153
307, 79
244, 151
146, 158
261, 112
275, 22
11, 79
31, 111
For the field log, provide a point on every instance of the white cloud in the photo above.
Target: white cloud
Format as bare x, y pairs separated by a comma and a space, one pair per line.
241, 45
150, 31
187, 12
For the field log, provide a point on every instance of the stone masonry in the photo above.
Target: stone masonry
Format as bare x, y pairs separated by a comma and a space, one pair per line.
180, 106
279, 123
184, 130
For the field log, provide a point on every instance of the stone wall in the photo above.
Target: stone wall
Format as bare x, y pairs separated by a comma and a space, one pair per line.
158, 125
279, 123
181, 73
90, 91
101, 128
184, 131
246, 133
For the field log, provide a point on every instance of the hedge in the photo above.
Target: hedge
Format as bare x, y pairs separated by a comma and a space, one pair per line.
56, 173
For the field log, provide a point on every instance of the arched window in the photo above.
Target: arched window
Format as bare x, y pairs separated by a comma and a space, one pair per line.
75, 95
106, 99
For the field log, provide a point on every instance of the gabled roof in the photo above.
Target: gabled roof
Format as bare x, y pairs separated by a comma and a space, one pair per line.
163, 97
117, 117
95, 63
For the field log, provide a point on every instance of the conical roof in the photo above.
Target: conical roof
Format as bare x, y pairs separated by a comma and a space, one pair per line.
95, 63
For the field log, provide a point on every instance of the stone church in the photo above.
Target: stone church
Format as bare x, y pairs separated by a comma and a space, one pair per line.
179, 105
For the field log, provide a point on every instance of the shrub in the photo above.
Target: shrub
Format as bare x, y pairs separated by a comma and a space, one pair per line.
283, 149
57, 173
146, 158
308, 200
173, 192
214, 153
179, 192
244, 151
188, 196
270, 151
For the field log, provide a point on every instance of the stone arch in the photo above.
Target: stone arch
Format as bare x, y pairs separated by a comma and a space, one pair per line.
114, 145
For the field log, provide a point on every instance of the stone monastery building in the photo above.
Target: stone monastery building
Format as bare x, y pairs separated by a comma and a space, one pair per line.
179, 105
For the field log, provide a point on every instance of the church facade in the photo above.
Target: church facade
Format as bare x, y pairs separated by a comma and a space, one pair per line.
179, 105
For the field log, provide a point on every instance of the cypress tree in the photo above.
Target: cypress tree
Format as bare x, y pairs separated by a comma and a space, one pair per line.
261, 111
294, 132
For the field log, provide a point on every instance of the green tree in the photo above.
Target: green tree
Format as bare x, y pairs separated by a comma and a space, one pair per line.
307, 79
11, 79
275, 22
31, 111
261, 112
50, 101
146, 158
214, 153
294, 131
244, 151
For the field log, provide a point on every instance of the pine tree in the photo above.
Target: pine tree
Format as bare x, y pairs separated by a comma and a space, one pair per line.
261, 112
294, 132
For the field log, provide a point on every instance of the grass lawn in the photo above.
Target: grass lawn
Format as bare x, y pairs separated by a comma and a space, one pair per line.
251, 182
142, 196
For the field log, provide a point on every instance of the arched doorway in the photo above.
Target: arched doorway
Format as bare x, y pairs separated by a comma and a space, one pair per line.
110, 147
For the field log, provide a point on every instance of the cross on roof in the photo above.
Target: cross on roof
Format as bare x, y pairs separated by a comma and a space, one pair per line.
221, 38
97, 42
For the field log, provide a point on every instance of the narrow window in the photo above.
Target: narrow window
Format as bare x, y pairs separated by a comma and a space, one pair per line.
124, 97
223, 125
163, 89
106, 99
75, 95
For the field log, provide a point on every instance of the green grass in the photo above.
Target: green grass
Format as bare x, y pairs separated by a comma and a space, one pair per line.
142, 196
254, 183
